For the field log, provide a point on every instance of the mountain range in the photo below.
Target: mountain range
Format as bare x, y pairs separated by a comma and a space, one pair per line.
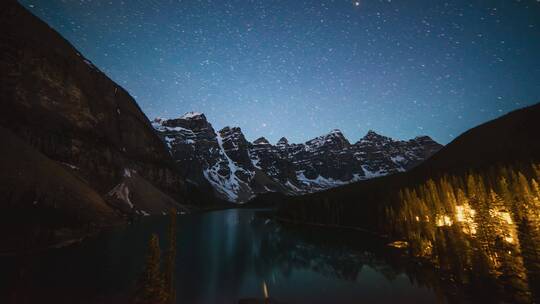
238, 170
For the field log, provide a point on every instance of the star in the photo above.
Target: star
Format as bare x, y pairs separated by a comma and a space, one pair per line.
301, 68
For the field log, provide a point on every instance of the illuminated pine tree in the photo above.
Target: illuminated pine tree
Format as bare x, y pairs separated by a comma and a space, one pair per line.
535, 189
504, 190
536, 170
450, 199
461, 197
523, 189
495, 201
486, 233
481, 190
472, 187
433, 193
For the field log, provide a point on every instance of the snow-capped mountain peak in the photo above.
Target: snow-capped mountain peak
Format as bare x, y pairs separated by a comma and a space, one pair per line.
237, 169
374, 136
333, 138
261, 141
193, 115
282, 142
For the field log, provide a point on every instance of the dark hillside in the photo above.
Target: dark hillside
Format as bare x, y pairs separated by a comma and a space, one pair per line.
56, 100
61, 104
511, 138
42, 202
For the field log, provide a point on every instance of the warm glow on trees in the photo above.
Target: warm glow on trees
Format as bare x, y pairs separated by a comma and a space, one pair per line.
491, 216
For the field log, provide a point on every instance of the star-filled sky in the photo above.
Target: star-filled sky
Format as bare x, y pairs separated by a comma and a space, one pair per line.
301, 68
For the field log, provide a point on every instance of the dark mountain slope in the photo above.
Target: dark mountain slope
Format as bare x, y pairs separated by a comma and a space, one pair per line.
57, 101
42, 202
509, 140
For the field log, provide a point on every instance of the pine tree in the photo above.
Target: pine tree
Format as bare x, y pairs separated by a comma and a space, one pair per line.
536, 169
481, 191
170, 261
472, 189
461, 198
150, 287
504, 190
535, 188
523, 189
496, 202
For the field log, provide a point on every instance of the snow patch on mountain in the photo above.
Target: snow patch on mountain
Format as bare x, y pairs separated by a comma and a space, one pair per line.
121, 192
228, 185
320, 182
190, 115
294, 188
397, 159
169, 141
254, 160
161, 127
372, 174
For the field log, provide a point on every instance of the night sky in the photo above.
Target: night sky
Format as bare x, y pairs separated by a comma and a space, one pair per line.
301, 68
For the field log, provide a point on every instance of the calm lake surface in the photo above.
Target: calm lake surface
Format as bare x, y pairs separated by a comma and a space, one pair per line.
223, 256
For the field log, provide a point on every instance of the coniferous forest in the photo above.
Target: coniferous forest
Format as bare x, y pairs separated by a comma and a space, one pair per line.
476, 226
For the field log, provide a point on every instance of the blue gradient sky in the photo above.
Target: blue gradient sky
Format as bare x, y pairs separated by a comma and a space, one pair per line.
301, 68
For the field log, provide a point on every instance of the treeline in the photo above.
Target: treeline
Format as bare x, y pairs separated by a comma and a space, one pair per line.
355, 205
375, 204
477, 202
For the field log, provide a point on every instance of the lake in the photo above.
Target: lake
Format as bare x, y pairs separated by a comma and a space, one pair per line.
223, 256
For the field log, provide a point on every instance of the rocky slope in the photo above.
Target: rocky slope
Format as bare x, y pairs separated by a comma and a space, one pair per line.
95, 146
238, 170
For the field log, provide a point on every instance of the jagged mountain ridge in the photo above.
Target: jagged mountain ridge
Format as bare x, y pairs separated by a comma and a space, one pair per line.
238, 169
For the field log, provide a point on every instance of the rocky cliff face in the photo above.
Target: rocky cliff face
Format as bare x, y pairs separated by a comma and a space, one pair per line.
66, 109
382, 155
238, 170
220, 159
